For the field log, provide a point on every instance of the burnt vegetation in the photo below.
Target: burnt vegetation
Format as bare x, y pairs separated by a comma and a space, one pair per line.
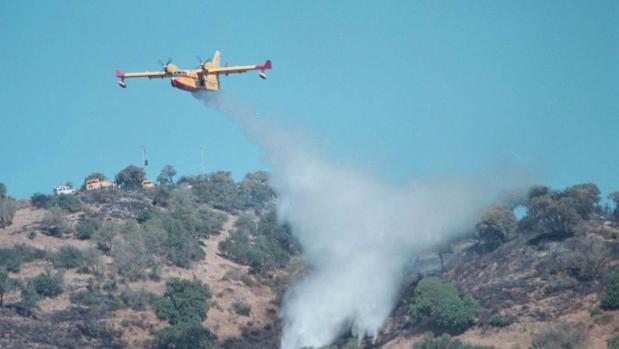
110, 243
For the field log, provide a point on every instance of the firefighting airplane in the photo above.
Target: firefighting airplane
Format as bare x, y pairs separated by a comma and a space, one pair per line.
206, 76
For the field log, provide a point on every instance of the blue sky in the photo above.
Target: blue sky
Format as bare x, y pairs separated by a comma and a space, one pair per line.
398, 88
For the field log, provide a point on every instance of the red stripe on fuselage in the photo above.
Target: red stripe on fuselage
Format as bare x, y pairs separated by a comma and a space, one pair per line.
180, 85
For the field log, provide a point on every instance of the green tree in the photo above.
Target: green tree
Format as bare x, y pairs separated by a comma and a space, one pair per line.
6, 285
131, 177
496, 226
551, 214
218, 190
39, 200
183, 302
166, 176
614, 196
254, 190
185, 336
584, 198
2, 191
610, 298
47, 285
441, 304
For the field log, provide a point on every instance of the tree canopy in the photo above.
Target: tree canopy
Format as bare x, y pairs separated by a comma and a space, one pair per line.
496, 225
131, 177
166, 176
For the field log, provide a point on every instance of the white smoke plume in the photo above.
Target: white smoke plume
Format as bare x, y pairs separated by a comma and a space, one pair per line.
357, 233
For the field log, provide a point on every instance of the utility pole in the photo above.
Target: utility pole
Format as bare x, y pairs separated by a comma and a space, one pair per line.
202, 162
144, 160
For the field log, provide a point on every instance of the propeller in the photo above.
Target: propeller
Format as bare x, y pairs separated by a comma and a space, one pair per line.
164, 65
199, 58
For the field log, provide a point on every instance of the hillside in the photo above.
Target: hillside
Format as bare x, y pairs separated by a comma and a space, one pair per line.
105, 269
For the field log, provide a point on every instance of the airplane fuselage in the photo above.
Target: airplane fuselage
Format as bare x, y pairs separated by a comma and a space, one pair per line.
205, 77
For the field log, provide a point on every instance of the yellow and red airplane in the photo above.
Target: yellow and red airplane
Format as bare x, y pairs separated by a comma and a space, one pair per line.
205, 77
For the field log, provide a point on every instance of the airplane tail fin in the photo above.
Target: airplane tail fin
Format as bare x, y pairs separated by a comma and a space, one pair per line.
216, 59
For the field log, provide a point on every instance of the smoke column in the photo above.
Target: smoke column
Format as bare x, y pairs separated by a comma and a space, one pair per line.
357, 233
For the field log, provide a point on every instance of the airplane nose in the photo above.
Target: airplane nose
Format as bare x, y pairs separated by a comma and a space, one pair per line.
173, 81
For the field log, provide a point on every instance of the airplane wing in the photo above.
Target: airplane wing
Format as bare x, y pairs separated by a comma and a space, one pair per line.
240, 68
146, 74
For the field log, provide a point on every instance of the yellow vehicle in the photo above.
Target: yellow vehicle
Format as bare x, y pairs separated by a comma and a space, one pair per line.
205, 77
147, 184
93, 184
105, 184
96, 183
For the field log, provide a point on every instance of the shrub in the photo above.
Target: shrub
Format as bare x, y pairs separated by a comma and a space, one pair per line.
586, 260
131, 257
264, 247
69, 203
595, 311
6, 285
183, 302
218, 190
496, 226
146, 214
55, 224
29, 253
105, 234
67, 256
613, 342
12, 258
179, 243
185, 336
29, 296
241, 308
85, 229
162, 197
47, 285
446, 342
610, 298
498, 320
561, 336
91, 261
8, 207
137, 300
39, 200
442, 306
